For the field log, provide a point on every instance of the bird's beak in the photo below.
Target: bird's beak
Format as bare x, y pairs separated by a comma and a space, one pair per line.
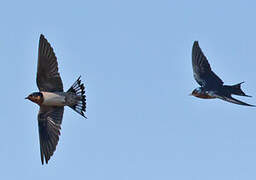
26, 97
190, 94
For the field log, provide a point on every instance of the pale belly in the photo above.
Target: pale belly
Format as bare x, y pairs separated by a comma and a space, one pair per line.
52, 99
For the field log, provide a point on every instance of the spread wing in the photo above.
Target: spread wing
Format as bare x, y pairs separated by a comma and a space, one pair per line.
203, 74
49, 122
48, 77
233, 100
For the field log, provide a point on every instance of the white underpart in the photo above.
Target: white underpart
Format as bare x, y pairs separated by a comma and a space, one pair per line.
52, 99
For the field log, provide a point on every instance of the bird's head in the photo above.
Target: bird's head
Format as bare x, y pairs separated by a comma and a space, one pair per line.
36, 97
196, 92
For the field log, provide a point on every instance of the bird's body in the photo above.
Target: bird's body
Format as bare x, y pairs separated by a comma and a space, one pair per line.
211, 85
51, 98
60, 99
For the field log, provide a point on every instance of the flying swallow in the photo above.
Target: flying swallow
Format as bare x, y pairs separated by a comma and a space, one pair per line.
51, 99
211, 85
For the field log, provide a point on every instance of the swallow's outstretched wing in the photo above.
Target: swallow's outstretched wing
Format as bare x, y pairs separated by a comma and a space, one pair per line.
48, 77
203, 74
49, 122
235, 101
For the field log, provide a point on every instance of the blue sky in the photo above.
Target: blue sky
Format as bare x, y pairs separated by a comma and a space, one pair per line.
135, 60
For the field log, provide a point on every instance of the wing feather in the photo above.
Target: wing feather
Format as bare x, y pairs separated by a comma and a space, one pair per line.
49, 124
48, 77
202, 70
235, 101
230, 99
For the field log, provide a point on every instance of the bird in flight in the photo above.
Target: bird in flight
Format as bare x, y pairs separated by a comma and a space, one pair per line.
51, 99
211, 85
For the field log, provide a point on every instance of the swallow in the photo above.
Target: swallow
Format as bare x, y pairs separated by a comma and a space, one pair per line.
211, 85
51, 99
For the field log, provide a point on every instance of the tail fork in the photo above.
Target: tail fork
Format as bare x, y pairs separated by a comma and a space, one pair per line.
236, 90
78, 89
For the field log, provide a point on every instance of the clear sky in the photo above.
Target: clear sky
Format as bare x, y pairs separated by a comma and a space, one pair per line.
135, 60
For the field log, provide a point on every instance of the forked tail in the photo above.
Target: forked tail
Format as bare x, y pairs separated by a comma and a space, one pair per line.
78, 89
236, 90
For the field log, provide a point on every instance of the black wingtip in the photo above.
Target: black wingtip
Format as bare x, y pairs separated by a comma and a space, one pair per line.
196, 43
42, 36
236, 101
84, 116
42, 39
250, 105
195, 46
